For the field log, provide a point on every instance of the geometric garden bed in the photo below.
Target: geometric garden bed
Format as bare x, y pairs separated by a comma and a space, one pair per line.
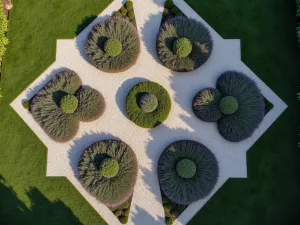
147, 144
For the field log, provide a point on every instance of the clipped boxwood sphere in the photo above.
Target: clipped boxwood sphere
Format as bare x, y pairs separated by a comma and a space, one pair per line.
148, 103
228, 105
182, 47
68, 104
113, 47
129, 5
109, 167
186, 168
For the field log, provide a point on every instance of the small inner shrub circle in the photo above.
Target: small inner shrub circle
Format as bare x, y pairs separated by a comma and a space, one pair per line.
68, 104
228, 105
186, 168
109, 167
148, 103
113, 47
182, 47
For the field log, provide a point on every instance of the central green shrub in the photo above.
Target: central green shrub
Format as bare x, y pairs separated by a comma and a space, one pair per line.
113, 47
182, 47
109, 167
100, 52
68, 104
115, 190
228, 105
186, 168
148, 119
148, 103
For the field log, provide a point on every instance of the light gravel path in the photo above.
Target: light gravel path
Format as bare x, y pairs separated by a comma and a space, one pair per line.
146, 208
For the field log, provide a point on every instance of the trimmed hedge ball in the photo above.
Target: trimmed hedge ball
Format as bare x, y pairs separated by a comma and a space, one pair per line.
118, 14
184, 191
186, 168
182, 47
181, 29
68, 104
169, 4
148, 103
251, 107
206, 105
113, 29
113, 47
143, 118
114, 188
129, 5
47, 112
228, 105
109, 167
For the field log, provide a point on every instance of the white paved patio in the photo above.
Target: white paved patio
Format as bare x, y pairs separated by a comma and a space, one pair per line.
146, 208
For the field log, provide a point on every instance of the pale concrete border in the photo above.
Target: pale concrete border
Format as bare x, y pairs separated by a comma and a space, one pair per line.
146, 205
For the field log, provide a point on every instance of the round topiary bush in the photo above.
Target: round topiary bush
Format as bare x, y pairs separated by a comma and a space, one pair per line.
251, 107
113, 29
68, 104
117, 187
143, 118
182, 47
131, 15
113, 47
123, 11
186, 168
148, 103
228, 105
184, 191
109, 167
129, 5
175, 10
118, 14
46, 110
169, 4
206, 105
196, 51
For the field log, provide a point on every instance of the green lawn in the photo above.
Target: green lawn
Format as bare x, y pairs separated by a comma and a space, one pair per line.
268, 197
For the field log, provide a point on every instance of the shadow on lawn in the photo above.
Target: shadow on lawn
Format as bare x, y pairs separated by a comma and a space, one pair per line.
85, 22
41, 211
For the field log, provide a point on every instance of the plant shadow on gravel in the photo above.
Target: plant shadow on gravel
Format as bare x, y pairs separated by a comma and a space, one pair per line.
85, 22
41, 210
143, 217
79, 145
124, 90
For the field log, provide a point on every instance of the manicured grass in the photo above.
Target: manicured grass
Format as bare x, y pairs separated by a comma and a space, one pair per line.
34, 28
269, 47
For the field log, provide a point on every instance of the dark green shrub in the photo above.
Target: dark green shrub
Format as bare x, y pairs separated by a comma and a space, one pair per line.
109, 167
46, 111
169, 4
167, 207
118, 213
144, 119
175, 10
129, 5
3, 33
68, 104
228, 105
113, 47
181, 27
110, 191
123, 219
26, 104
123, 11
165, 199
130, 14
125, 205
175, 213
148, 103
126, 212
184, 191
182, 47
118, 14
169, 221
165, 13
115, 28
186, 168
179, 14
251, 108
127, 18
206, 105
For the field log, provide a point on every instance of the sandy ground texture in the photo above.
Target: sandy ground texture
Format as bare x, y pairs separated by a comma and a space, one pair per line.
148, 144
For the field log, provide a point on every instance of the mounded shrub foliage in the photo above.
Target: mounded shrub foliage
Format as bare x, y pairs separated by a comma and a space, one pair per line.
113, 45
108, 170
237, 105
62, 103
251, 108
180, 185
142, 108
182, 49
